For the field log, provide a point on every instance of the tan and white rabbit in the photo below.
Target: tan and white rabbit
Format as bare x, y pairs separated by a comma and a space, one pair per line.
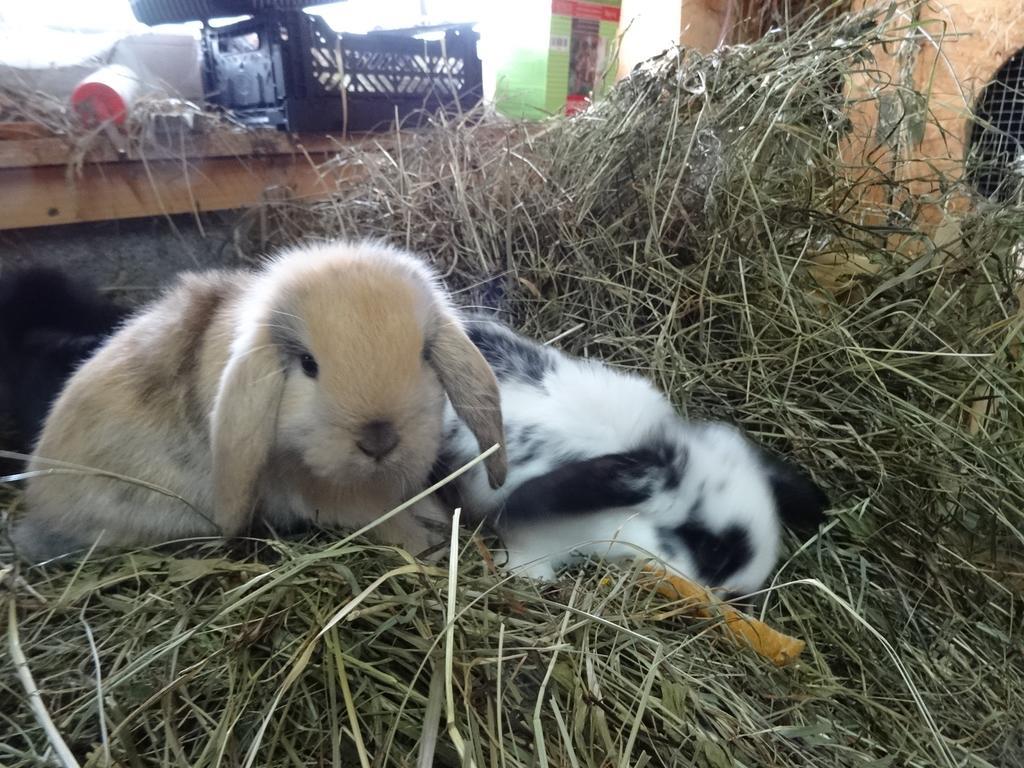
312, 390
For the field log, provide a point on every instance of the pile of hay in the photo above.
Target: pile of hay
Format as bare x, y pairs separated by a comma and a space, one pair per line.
671, 230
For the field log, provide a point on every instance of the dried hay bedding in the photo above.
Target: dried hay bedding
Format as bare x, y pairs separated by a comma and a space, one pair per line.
669, 230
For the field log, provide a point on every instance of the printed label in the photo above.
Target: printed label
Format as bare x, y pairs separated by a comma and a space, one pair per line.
559, 43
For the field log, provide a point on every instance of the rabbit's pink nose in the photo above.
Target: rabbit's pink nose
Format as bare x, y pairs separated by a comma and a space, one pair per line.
377, 439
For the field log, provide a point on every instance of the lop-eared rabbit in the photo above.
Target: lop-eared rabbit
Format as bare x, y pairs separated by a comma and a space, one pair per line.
311, 390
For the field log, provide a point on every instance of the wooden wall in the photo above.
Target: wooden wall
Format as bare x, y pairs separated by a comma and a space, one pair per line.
964, 44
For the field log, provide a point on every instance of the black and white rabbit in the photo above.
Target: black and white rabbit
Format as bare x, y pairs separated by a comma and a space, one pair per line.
49, 323
601, 464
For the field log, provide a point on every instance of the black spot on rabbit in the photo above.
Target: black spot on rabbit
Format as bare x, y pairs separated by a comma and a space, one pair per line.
527, 445
584, 486
510, 356
669, 457
696, 509
717, 555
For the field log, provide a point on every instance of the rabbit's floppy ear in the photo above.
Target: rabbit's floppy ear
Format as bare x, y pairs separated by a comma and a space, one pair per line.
473, 391
800, 501
244, 423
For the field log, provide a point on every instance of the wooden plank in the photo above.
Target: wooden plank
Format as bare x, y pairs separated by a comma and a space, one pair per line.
21, 131
35, 152
39, 187
48, 195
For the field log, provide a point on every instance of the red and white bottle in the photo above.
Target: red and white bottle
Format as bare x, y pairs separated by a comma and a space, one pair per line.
106, 95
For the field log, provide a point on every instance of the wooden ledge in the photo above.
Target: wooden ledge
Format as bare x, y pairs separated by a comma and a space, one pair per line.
49, 180
34, 152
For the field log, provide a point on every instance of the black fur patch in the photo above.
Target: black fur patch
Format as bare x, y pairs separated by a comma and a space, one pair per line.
673, 476
528, 454
446, 463
493, 293
801, 503
585, 486
524, 436
43, 298
525, 446
668, 456
49, 324
717, 555
443, 464
509, 355
451, 432
46, 364
696, 509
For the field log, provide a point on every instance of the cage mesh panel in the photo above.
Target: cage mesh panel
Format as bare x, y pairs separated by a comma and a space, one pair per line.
996, 154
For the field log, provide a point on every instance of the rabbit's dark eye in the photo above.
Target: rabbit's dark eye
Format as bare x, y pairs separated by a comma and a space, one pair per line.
309, 366
426, 353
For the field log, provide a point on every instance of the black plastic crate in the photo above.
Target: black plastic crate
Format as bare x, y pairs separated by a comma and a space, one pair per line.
291, 70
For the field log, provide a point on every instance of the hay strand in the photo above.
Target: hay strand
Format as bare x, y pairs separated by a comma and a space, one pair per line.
35, 699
